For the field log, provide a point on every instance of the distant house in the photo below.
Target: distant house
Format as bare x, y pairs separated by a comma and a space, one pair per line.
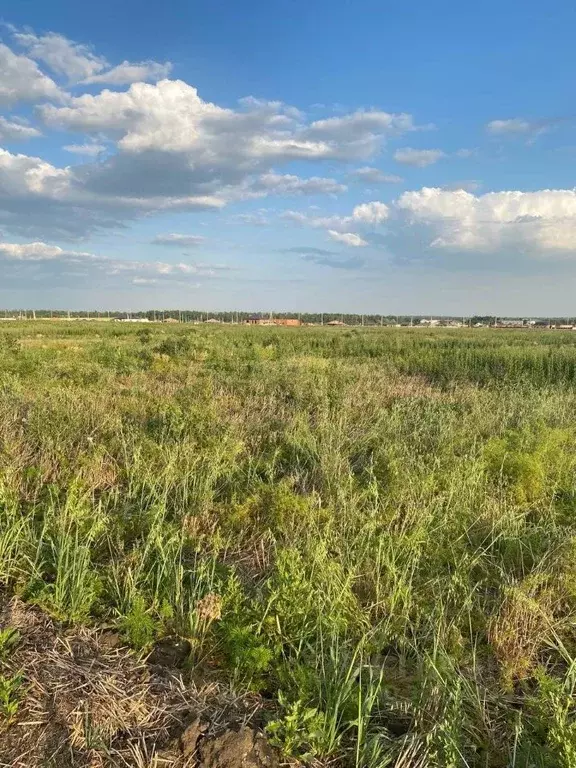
510, 323
212, 320
289, 321
259, 320
429, 321
335, 322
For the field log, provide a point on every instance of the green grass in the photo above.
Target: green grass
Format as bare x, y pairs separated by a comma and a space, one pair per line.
376, 529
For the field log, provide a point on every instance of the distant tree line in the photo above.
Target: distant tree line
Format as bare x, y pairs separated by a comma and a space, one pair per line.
190, 316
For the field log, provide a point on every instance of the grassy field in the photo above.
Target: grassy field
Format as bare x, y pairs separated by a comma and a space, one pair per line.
371, 532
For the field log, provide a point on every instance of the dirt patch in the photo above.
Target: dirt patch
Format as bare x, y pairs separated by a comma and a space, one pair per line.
190, 737
244, 748
170, 652
88, 702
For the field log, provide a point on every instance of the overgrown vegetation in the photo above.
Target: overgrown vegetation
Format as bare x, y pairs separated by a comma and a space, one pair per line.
374, 529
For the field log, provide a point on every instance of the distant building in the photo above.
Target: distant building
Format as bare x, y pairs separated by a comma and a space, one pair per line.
429, 321
289, 321
286, 321
510, 323
335, 322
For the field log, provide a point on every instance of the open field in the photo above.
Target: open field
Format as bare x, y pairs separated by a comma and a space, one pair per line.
365, 541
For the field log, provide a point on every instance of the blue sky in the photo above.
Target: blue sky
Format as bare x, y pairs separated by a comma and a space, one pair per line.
330, 156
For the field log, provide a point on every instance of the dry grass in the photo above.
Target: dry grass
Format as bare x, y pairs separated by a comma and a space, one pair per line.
87, 704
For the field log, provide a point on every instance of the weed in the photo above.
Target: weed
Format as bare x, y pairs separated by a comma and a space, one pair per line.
10, 695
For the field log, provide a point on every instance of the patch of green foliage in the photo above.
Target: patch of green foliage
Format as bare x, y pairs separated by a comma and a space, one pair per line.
373, 529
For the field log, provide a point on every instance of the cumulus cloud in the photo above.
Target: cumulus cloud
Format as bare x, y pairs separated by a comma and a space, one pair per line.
79, 64
22, 80
366, 215
371, 213
373, 176
16, 130
167, 149
37, 198
179, 240
23, 263
348, 238
170, 116
541, 224
419, 158
437, 224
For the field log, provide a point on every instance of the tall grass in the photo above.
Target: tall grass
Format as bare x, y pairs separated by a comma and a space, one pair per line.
374, 529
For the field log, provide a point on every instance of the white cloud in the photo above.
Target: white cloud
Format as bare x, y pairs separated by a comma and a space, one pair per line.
79, 64
167, 149
420, 158
359, 134
23, 263
364, 215
91, 150
178, 240
171, 116
288, 184
22, 80
16, 130
126, 73
515, 125
63, 56
373, 176
37, 198
437, 224
348, 238
38, 251
540, 224
371, 213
